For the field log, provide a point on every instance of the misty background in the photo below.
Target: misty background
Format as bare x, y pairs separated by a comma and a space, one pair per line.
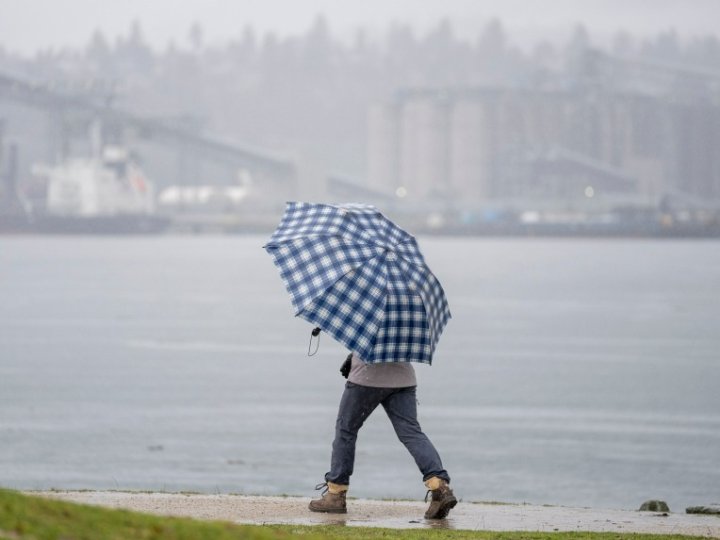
582, 105
575, 371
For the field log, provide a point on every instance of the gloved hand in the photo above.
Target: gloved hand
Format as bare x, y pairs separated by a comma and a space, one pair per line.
345, 368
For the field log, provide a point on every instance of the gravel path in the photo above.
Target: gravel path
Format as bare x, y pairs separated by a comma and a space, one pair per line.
398, 514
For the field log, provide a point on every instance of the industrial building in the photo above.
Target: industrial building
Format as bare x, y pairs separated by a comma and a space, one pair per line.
474, 145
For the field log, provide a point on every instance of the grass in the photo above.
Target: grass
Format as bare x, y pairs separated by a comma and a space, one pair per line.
27, 517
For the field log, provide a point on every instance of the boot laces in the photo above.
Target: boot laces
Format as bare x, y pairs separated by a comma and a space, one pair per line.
429, 491
323, 486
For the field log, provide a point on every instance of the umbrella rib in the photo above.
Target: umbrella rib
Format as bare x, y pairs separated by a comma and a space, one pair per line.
373, 341
430, 329
301, 236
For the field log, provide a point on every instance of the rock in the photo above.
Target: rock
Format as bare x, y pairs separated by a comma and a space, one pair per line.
654, 506
709, 509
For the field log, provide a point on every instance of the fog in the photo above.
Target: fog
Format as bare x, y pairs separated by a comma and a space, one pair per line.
147, 151
464, 119
31, 25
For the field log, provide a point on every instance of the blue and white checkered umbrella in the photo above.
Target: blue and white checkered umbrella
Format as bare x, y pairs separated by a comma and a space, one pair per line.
360, 278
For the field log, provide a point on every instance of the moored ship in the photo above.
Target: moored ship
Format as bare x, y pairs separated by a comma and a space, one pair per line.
107, 194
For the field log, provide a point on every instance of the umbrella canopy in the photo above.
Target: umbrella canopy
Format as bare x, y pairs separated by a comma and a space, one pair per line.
360, 278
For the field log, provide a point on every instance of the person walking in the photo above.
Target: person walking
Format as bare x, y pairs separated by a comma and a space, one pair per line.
353, 273
392, 385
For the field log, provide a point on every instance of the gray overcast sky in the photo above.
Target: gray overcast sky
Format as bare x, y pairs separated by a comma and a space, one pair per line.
29, 25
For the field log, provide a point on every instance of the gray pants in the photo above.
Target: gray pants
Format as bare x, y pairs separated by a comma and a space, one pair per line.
401, 407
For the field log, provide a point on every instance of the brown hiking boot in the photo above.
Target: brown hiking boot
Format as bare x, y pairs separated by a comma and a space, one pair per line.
443, 500
332, 500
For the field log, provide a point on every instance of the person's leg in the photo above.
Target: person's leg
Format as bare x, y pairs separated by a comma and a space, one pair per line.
401, 408
355, 406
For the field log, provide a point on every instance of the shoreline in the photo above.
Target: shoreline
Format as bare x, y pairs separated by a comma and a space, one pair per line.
265, 510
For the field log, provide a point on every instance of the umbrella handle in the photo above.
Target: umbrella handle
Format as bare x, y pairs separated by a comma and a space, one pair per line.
314, 333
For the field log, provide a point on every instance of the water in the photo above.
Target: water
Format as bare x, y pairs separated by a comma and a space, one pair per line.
577, 372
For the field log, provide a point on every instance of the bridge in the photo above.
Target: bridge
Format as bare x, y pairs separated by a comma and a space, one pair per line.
174, 152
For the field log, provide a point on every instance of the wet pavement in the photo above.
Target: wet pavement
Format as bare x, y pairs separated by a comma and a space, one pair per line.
399, 514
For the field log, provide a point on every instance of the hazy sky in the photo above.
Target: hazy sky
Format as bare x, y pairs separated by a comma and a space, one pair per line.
29, 25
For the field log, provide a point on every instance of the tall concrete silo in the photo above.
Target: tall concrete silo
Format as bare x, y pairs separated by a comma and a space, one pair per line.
470, 157
383, 148
424, 170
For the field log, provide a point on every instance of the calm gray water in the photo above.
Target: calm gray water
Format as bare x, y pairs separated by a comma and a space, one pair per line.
579, 372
